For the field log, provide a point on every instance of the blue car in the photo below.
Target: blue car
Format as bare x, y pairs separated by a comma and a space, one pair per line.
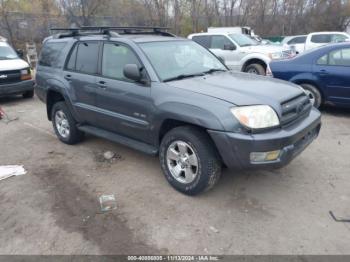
324, 73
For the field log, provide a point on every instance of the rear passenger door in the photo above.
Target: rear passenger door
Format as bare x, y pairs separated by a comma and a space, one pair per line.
80, 75
124, 105
334, 71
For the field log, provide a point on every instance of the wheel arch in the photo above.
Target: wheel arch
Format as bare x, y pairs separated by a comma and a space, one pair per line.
254, 61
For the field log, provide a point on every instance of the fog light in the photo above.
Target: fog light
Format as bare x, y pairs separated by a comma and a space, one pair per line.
256, 157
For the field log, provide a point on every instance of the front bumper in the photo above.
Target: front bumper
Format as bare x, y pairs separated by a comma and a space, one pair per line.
235, 149
16, 88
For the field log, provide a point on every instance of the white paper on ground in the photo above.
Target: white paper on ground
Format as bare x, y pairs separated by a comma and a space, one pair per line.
9, 171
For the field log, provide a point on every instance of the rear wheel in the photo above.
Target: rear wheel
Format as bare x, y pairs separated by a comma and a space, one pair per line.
28, 94
65, 125
313, 94
255, 69
189, 160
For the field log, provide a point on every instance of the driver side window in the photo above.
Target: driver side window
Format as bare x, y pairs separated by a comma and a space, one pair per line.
115, 57
221, 42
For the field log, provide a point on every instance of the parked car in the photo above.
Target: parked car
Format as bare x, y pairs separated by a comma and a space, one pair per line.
296, 42
15, 74
185, 106
324, 73
303, 43
240, 52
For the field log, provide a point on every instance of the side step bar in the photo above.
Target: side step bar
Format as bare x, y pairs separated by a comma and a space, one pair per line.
140, 146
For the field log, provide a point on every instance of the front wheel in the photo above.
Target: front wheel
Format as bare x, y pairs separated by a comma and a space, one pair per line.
65, 125
255, 69
28, 94
313, 94
189, 160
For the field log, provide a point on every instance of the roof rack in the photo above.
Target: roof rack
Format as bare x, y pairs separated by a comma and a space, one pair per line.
112, 31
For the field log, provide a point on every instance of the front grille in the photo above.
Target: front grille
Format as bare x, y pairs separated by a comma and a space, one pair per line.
295, 109
9, 77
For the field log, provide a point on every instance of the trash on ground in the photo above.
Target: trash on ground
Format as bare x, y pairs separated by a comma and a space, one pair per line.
215, 230
108, 155
5, 117
339, 219
9, 171
107, 203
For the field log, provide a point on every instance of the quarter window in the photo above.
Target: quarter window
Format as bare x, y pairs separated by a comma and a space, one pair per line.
50, 54
323, 60
87, 57
115, 57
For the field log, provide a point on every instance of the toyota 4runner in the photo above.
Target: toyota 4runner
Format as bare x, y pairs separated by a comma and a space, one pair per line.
169, 96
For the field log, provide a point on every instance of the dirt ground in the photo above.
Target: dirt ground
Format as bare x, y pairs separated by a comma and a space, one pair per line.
54, 208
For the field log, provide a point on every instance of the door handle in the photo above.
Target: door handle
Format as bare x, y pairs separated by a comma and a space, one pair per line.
68, 77
102, 84
323, 72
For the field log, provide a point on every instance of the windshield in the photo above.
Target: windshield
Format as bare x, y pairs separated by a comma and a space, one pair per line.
172, 59
243, 40
6, 52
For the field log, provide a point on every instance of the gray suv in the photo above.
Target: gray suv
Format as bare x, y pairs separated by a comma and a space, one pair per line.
169, 96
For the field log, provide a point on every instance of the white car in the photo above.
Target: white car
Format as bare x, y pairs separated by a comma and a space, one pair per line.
15, 74
240, 52
296, 42
302, 43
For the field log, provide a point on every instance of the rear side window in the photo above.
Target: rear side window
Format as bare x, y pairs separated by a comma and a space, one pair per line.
297, 40
50, 54
86, 58
340, 57
321, 39
203, 40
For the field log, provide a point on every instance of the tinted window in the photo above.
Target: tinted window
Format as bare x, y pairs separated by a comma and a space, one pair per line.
87, 57
340, 57
72, 59
115, 57
297, 40
321, 39
219, 42
50, 54
203, 40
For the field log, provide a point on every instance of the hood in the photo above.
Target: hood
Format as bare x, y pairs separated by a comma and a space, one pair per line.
13, 64
241, 89
264, 49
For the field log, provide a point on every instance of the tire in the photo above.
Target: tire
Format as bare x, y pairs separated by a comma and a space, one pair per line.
28, 94
314, 95
61, 118
256, 69
209, 165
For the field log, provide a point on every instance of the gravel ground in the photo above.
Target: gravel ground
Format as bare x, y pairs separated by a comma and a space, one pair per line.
54, 208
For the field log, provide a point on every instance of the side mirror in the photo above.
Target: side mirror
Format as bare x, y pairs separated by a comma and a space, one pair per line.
132, 71
20, 53
229, 47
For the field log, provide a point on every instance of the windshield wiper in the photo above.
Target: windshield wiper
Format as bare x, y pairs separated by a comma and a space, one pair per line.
182, 76
213, 70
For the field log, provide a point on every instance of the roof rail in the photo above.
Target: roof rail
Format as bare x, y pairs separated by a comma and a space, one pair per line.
113, 31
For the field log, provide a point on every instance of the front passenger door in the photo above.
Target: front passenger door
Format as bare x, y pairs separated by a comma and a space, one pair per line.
124, 105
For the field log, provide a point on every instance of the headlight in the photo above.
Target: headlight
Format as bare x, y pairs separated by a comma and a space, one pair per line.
26, 74
275, 56
256, 117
